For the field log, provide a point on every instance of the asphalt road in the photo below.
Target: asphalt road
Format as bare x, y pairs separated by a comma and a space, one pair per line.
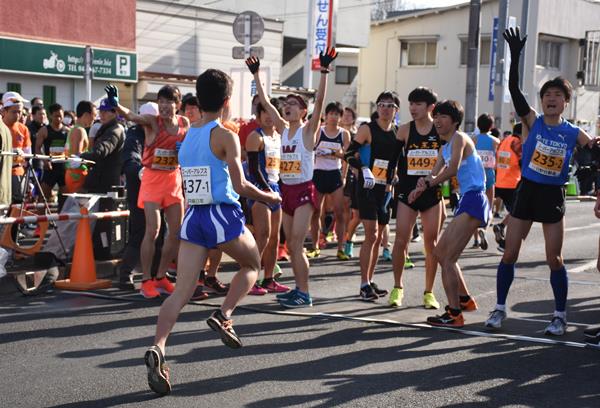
74, 350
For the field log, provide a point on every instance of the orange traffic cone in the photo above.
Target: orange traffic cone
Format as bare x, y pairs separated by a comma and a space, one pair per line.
83, 268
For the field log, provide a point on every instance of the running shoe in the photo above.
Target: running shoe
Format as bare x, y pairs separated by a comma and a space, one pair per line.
199, 294
396, 296
386, 255
256, 290
498, 232
330, 237
341, 255
282, 254
368, 294
322, 241
158, 371
224, 327
468, 306
148, 289
557, 327
349, 249
380, 292
475, 244
273, 286
164, 286
313, 253
214, 285
408, 263
483, 244
172, 272
447, 320
277, 272
297, 300
429, 301
495, 319
416, 238
286, 295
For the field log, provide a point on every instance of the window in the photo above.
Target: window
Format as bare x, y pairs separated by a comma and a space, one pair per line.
13, 87
418, 53
345, 75
548, 55
485, 45
49, 93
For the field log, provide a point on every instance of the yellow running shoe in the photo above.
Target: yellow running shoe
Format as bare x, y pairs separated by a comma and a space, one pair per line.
313, 253
429, 301
341, 255
396, 296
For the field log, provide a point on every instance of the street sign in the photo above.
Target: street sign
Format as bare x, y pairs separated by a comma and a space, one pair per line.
256, 25
239, 52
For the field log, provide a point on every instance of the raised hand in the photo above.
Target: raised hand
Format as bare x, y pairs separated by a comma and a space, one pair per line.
253, 63
327, 58
113, 95
514, 40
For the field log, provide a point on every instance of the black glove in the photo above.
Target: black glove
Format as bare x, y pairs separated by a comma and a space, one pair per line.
514, 40
113, 95
253, 63
327, 58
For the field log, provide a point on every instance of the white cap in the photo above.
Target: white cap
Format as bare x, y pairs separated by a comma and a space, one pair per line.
149, 108
11, 99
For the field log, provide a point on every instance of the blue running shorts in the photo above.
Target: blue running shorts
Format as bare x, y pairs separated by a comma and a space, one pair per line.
211, 225
475, 204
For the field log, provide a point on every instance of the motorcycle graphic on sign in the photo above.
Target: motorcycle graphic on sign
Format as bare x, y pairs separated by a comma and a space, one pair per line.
54, 63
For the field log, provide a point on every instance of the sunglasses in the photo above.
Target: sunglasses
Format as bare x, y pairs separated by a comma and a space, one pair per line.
387, 105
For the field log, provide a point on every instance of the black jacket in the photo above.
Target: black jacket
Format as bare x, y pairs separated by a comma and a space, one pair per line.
106, 152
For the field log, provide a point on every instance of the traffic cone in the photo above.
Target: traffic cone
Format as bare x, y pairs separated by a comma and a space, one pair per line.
83, 268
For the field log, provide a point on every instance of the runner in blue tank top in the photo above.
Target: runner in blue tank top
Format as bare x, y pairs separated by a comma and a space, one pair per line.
548, 142
457, 157
486, 146
212, 179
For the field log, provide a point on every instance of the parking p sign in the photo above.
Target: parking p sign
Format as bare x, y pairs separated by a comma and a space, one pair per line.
123, 65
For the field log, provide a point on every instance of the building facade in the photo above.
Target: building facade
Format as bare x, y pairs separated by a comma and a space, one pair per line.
428, 48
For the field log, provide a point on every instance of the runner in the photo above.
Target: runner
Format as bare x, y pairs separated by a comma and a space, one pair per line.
12, 109
457, 157
263, 147
52, 139
77, 143
508, 175
348, 122
212, 170
297, 160
161, 183
486, 146
421, 144
540, 196
329, 176
374, 152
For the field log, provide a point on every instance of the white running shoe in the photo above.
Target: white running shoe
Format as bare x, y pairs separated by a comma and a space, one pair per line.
495, 319
557, 327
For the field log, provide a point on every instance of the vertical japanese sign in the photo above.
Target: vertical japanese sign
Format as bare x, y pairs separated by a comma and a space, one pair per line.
323, 29
512, 23
493, 60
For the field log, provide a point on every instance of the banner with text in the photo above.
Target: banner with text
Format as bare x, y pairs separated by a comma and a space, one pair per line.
323, 29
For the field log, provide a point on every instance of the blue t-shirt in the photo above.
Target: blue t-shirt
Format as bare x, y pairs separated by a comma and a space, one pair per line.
547, 152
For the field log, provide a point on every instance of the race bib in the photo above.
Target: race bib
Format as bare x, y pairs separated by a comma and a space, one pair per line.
547, 160
273, 161
196, 185
488, 158
421, 161
165, 159
503, 160
291, 166
334, 147
57, 151
380, 171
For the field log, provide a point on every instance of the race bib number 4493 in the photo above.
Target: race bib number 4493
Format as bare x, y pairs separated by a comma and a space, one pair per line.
196, 185
547, 160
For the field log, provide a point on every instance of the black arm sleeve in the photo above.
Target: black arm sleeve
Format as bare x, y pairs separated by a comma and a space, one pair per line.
521, 106
255, 172
350, 154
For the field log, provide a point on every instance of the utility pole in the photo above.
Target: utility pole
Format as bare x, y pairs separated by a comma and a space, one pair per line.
499, 81
472, 66
310, 45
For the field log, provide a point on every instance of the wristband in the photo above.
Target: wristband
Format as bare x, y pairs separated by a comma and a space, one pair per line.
324, 71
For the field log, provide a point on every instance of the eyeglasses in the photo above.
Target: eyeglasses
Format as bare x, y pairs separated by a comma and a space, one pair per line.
291, 103
387, 105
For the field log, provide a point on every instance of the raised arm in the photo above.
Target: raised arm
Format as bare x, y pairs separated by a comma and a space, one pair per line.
315, 121
253, 64
516, 44
112, 94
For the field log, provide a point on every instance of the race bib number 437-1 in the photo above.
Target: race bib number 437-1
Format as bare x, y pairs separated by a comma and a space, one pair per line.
421, 161
380, 171
196, 185
547, 160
